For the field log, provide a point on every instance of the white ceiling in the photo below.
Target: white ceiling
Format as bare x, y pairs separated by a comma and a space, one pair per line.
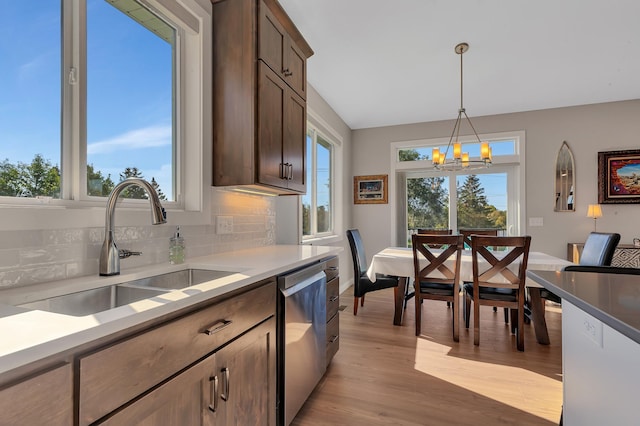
383, 62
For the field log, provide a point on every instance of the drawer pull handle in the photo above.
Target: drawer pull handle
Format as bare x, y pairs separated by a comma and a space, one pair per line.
217, 327
213, 393
332, 268
334, 298
334, 338
225, 395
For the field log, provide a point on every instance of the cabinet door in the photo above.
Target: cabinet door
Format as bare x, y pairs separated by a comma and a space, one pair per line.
184, 400
234, 386
271, 100
46, 399
246, 371
280, 52
293, 145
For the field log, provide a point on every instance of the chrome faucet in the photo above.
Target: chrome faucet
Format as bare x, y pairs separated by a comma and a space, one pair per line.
109, 255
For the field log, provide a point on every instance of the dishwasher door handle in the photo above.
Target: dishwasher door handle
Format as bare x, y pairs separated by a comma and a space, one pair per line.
306, 282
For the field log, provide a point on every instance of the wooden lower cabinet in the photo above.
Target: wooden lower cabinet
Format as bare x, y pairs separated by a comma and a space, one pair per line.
233, 386
43, 399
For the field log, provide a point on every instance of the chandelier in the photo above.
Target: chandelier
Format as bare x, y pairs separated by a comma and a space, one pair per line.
460, 160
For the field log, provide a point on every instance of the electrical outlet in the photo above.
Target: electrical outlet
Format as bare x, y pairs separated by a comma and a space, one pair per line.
536, 221
224, 224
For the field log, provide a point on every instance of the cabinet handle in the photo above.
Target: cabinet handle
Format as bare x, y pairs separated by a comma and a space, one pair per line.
334, 298
219, 325
333, 338
290, 171
283, 170
286, 72
225, 395
213, 393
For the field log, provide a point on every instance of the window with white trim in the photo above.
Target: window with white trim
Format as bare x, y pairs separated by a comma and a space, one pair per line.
318, 213
484, 198
96, 91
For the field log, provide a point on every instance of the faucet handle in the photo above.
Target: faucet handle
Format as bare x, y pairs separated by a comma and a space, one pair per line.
124, 253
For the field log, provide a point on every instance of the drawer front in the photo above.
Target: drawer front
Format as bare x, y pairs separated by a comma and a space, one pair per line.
333, 297
333, 337
118, 373
332, 268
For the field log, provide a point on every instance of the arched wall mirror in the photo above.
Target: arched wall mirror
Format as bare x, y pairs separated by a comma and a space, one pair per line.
565, 180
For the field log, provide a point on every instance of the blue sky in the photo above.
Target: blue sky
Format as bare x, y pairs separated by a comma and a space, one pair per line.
129, 90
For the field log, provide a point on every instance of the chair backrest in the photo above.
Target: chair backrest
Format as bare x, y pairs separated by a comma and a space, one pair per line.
435, 231
467, 233
599, 248
435, 270
602, 269
496, 272
357, 253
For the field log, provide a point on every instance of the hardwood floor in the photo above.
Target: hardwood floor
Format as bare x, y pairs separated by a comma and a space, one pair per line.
385, 375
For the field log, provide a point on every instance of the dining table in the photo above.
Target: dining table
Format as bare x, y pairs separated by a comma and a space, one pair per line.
398, 261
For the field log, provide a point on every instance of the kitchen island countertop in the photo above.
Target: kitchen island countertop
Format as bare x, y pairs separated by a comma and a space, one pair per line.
614, 299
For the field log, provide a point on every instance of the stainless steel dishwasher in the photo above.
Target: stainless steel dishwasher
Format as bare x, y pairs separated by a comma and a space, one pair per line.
301, 337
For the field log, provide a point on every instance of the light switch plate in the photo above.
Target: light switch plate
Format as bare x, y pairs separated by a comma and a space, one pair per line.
224, 224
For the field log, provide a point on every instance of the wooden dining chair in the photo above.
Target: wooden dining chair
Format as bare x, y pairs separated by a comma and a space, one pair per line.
434, 279
468, 232
495, 284
435, 231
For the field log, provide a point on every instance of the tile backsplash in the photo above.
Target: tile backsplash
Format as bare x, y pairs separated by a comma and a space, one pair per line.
28, 257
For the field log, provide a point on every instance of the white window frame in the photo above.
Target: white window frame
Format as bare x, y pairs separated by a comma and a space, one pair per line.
331, 136
192, 128
513, 165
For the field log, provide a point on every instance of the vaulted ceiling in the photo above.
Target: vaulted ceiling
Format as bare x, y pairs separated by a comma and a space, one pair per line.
381, 62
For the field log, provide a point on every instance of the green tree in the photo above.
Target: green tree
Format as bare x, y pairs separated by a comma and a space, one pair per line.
97, 184
427, 199
133, 191
9, 179
155, 186
473, 208
39, 177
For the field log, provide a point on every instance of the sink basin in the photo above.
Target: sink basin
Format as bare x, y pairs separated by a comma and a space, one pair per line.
100, 299
92, 301
179, 279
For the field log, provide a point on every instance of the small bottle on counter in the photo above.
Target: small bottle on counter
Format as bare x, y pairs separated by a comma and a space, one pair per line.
176, 248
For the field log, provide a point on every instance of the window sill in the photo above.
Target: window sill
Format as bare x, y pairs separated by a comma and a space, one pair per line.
324, 240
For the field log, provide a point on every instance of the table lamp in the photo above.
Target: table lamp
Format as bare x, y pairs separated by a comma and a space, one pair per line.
595, 212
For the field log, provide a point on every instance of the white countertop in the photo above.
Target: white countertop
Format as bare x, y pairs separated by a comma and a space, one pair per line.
31, 335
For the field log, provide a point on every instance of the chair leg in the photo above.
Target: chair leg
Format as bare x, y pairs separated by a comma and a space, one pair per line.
355, 306
506, 315
476, 322
362, 301
466, 311
456, 317
514, 321
520, 330
418, 303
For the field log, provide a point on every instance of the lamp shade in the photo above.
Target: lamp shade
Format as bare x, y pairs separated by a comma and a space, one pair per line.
594, 211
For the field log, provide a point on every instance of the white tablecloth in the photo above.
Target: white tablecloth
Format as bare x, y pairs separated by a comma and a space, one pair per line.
398, 261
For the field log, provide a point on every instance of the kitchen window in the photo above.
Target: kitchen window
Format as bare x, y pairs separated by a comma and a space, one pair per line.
317, 203
95, 91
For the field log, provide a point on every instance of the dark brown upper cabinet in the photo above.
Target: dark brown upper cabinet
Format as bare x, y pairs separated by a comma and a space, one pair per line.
259, 97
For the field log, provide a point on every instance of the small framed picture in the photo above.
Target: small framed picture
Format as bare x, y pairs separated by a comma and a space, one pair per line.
370, 189
619, 177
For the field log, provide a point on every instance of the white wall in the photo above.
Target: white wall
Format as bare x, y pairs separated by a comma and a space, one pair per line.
587, 129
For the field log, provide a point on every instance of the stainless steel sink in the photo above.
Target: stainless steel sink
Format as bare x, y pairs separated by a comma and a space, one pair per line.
180, 279
88, 302
92, 301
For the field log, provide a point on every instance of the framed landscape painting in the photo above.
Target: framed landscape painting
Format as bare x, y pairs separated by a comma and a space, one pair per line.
370, 189
619, 177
